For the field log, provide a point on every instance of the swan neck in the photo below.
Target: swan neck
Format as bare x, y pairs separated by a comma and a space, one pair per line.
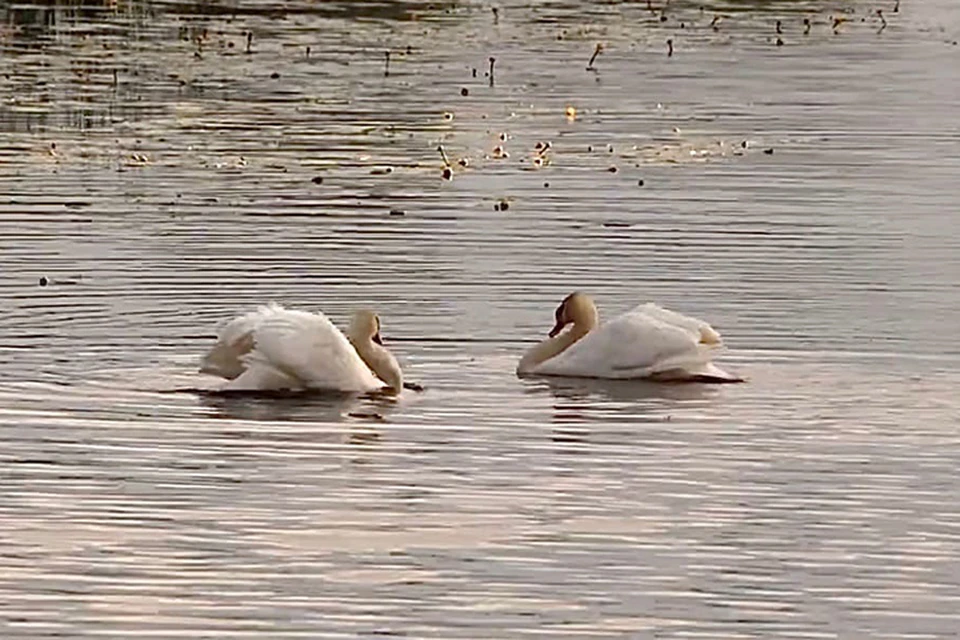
381, 362
585, 325
552, 347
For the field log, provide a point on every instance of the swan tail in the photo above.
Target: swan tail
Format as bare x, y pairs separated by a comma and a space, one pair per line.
707, 372
696, 367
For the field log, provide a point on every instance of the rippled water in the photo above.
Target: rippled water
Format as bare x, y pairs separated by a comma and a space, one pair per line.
163, 186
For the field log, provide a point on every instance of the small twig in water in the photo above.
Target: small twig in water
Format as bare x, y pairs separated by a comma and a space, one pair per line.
493, 61
443, 154
669, 48
249, 41
386, 64
596, 51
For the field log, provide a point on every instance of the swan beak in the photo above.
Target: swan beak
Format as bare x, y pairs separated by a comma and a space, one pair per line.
378, 339
557, 328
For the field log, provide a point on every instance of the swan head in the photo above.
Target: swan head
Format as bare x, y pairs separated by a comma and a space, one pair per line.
577, 309
365, 325
366, 339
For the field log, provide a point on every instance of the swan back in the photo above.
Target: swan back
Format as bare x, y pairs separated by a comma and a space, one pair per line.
309, 348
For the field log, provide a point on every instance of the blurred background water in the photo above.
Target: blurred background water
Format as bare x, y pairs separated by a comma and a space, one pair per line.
167, 165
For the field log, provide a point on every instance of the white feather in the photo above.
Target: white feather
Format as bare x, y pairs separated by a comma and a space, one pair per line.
274, 348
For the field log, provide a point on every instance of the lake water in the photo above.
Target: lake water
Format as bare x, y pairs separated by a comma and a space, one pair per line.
163, 180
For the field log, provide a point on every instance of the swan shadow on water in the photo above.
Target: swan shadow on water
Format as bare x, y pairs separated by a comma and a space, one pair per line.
608, 390
312, 405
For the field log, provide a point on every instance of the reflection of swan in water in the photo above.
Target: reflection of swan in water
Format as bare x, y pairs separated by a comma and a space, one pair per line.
317, 407
273, 349
312, 418
597, 392
647, 342
582, 405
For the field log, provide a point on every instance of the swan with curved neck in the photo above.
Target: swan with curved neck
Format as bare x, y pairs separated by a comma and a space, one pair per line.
645, 342
274, 348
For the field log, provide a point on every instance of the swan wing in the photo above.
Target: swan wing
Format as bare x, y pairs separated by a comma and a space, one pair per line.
708, 341
308, 348
633, 345
260, 375
234, 342
698, 328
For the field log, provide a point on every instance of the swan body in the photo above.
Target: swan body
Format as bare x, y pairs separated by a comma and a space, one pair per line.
646, 342
274, 349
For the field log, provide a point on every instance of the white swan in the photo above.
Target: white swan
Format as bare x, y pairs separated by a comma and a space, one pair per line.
274, 349
645, 342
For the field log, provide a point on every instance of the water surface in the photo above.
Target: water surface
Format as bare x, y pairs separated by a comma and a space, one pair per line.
163, 180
